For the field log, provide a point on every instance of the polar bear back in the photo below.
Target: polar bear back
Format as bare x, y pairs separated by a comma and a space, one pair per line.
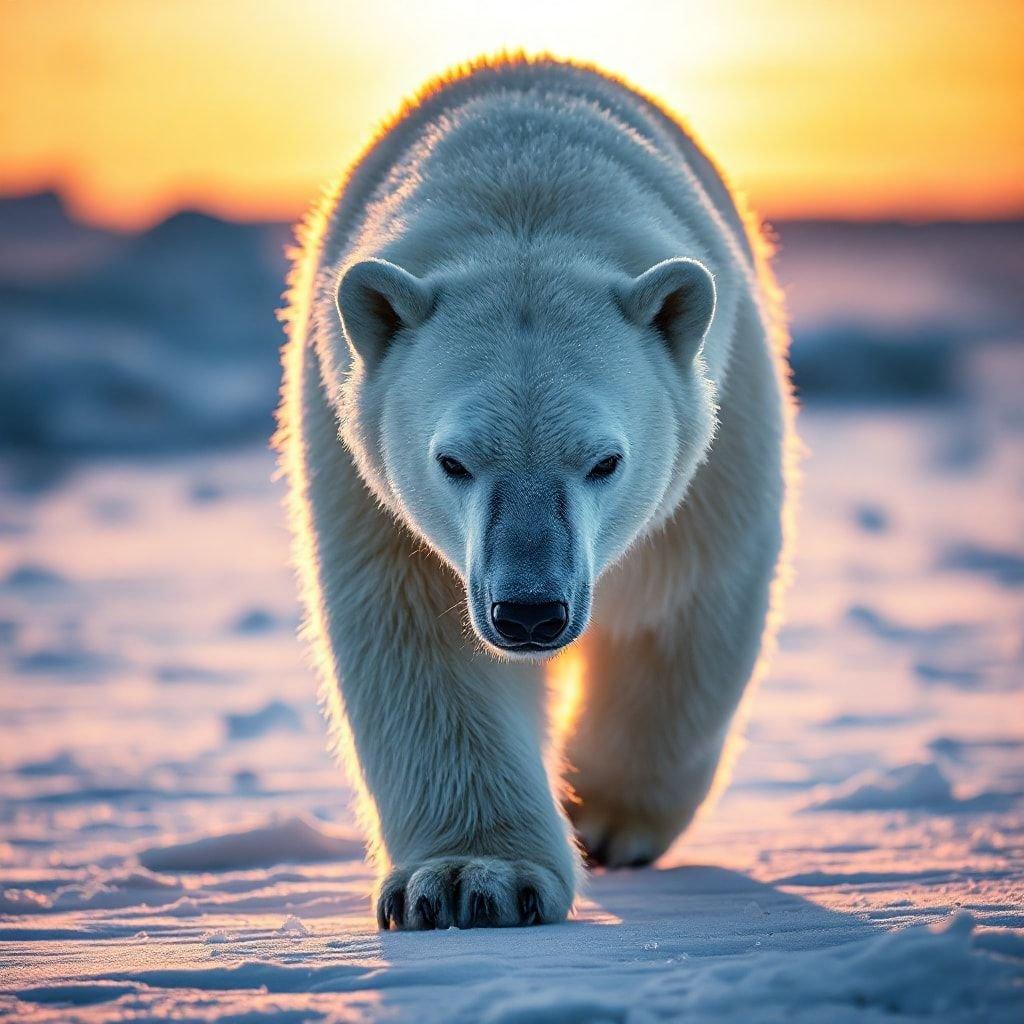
490, 98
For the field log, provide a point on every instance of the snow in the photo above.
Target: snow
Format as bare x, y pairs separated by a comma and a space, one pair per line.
293, 927
908, 786
273, 717
919, 972
292, 840
176, 843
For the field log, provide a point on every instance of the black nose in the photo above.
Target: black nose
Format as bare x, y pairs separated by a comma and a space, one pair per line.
530, 623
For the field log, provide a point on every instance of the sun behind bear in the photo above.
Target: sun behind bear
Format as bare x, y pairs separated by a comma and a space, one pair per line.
535, 395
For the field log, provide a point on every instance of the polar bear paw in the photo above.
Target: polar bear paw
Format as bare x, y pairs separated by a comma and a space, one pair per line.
470, 892
618, 837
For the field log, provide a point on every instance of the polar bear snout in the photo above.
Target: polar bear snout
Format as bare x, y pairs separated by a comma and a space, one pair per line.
527, 566
530, 625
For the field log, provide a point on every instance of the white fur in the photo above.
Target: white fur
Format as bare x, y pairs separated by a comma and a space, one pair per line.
531, 270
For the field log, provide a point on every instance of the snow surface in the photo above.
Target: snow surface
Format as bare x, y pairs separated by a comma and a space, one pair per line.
175, 842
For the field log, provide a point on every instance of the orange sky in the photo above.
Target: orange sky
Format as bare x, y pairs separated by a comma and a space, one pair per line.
246, 107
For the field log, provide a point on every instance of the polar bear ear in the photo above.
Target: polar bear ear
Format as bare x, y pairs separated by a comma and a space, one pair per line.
676, 298
376, 300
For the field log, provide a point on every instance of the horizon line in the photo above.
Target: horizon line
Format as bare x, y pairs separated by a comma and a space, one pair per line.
211, 211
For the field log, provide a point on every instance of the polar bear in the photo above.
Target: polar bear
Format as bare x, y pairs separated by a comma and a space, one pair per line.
535, 396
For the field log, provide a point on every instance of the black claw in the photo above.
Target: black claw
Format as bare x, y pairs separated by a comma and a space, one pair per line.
491, 915
475, 908
391, 909
398, 908
529, 906
426, 913
456, 896
483, 911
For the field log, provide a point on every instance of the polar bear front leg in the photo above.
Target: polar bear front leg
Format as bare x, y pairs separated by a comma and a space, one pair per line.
649, 737
450, 749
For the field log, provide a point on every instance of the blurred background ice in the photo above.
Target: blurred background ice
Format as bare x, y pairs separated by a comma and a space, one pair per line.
165, 341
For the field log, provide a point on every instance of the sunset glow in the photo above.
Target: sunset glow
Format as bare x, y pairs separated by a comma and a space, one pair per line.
133, 108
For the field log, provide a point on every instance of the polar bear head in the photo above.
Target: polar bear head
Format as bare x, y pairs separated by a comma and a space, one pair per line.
529, 424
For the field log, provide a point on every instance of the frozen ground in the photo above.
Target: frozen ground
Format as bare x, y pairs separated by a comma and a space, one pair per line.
175, 844
155, 698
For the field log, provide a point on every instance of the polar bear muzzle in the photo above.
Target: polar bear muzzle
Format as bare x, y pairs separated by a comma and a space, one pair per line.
528, 574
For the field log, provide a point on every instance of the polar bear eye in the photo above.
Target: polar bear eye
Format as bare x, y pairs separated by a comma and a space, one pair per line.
605, 468
453, 468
